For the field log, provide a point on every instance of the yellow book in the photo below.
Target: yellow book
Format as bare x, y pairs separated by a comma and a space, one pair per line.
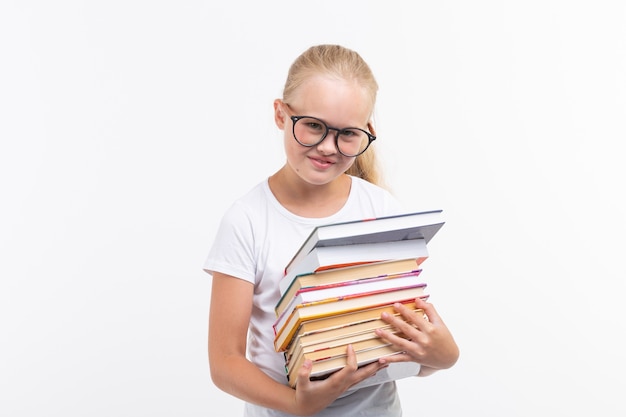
312, 327
288, 324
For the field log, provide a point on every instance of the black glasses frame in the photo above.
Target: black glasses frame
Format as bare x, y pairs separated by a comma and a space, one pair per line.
371, 138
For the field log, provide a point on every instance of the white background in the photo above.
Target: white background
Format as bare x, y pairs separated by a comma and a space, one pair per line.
128, 127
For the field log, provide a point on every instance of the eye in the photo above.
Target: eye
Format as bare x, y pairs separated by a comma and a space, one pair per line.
314, 125
350, 135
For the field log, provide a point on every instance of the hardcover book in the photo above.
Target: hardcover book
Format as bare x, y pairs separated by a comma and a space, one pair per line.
416, 225
337, 285
326, 258
347, 288
287, 324
333, 322
338, 276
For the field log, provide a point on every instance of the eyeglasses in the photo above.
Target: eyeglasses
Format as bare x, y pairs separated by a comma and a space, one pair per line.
350, 141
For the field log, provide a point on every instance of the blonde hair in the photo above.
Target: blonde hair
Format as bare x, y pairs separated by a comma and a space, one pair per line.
344, 63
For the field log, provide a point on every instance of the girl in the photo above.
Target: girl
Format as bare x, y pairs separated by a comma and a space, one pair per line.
329, 176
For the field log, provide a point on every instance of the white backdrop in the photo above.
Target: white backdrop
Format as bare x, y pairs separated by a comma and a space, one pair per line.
128, 127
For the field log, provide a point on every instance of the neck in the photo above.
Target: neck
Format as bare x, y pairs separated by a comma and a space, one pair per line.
309, 200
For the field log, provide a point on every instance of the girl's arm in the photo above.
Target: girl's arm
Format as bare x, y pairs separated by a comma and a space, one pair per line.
232, 372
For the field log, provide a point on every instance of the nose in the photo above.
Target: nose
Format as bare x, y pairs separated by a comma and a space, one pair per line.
328, 146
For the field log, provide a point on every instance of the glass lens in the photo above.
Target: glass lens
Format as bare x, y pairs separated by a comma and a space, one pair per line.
309, 131
352, 141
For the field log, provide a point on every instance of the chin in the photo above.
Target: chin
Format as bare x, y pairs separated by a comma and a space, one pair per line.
319, 179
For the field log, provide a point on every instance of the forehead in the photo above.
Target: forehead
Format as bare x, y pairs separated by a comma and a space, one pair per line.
334, 100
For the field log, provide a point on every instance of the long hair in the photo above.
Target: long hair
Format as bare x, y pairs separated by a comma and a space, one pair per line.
345, 64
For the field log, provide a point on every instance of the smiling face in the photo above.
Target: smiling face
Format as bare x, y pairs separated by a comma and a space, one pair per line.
339, 103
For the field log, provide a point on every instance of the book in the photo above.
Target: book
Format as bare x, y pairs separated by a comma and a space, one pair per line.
296, 348
339, 321
286, 325
322, 368
406, 226
323, 355
338, 276
338, 283
334, 257
337, 348
317, 293
332, 347
324, 337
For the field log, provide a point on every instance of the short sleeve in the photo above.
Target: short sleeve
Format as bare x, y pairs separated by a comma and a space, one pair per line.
232, 252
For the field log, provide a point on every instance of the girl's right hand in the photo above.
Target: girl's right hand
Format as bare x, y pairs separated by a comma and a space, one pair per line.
313, 396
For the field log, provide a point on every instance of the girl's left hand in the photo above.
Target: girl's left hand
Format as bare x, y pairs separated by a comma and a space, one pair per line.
429, 342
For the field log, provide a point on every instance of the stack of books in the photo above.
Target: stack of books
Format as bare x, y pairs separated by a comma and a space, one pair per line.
340, 281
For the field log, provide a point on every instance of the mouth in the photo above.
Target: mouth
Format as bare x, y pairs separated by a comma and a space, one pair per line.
321, 162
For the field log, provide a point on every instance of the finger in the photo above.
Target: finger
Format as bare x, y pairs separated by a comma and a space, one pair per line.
398, 357
400, 325
350, 368
407, 319
429, 310
409, 348
346, 373
399, 339
370, 369
351, 362
304, 374
367, 371
415, 316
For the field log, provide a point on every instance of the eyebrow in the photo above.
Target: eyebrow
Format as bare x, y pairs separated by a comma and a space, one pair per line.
366, 125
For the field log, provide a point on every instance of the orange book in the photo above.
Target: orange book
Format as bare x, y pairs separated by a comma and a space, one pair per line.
331, 336
336, 322
286, 326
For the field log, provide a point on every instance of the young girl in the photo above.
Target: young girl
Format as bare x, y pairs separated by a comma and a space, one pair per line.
329, 176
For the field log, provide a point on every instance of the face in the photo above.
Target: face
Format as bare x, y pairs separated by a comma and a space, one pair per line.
339, 104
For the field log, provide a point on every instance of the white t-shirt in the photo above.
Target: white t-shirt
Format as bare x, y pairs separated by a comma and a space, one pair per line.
256, 239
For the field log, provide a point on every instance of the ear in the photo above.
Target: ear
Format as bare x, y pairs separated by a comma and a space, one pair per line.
370, 127
279, 114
